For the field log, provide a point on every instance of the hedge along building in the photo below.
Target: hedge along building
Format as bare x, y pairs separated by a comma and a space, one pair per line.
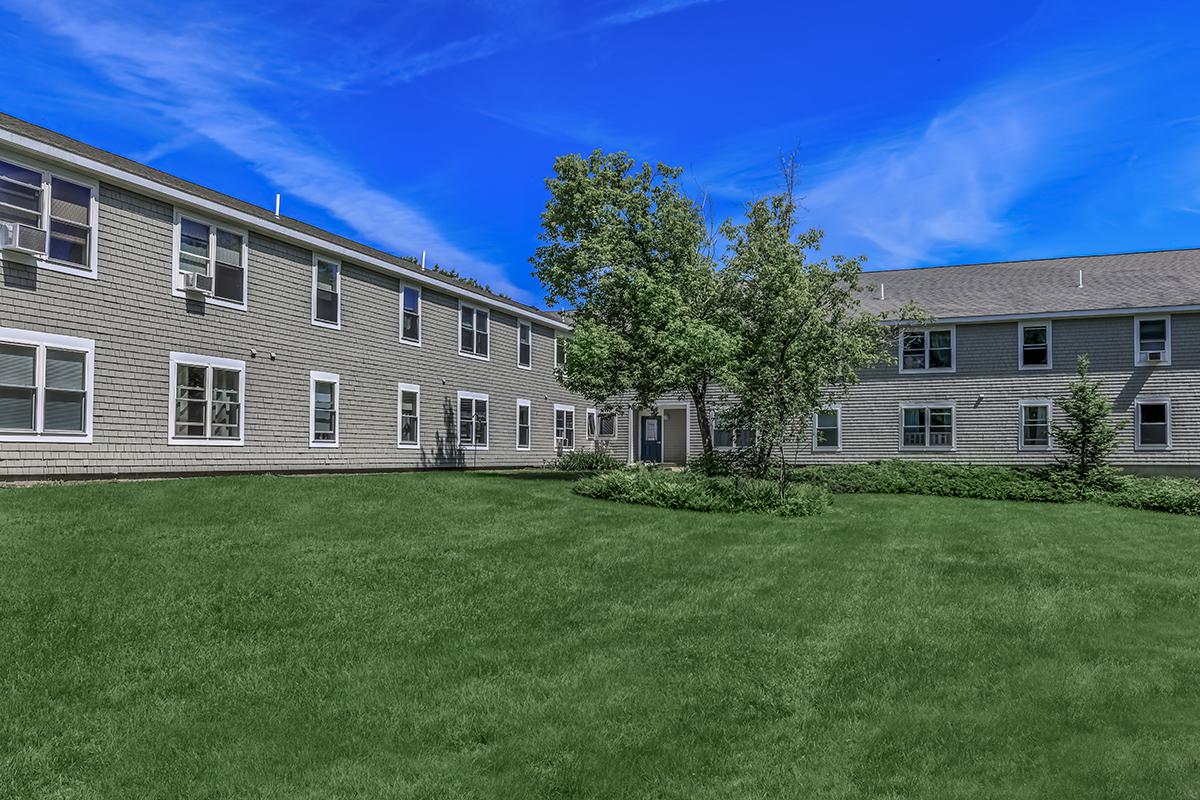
151, 326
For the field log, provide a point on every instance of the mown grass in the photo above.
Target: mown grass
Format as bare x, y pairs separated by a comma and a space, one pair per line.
467, 635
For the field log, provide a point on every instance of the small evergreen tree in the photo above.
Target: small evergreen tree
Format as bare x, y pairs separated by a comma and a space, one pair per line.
1089, 436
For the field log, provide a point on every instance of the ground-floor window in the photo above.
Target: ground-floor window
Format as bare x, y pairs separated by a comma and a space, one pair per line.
927, 427
591, 424
1035, 424
523, 424
323, 400
408, 415
608, 425
206, 399
1153, 429
728, 435
564, 427
472, 421
827, 429
45, 387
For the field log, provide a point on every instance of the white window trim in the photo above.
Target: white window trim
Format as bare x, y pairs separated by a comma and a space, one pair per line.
401, 388
520, 324
1035, 448
1138, 361
421, 319
928, 448
474, 320
824, 448
55, 342
926, 331
212, 362
324, 377
320, 323
487, 420
45, 262
212, 245
1021, 326
1137, 423
574, 428
560, 341
524, 404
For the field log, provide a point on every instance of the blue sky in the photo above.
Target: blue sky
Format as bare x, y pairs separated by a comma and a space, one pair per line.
929, 133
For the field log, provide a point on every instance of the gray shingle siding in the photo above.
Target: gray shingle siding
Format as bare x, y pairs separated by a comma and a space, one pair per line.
136, 323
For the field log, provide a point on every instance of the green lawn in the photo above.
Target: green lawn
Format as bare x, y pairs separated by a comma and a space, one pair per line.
470, 635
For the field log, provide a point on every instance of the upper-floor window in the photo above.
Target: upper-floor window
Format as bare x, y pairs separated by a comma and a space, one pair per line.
608, 425
1035, 424
524, 345
327, 292
206, 399
827, 429
1153, 429
1152, 340
473, 331
560, 351
927, 427
1035, 339
564, 427
323, 400
523, 424
927, 350
472, 421
216, 255
410, 315
45, 387
64, 209
408, 415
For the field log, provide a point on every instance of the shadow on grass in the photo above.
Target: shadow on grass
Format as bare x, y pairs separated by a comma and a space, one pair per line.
538, 475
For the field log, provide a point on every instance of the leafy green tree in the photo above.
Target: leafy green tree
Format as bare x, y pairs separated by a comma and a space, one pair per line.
802, 334
629, 252
1089, 437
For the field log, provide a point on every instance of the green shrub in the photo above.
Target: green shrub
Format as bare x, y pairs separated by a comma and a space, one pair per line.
1173, 495
586, 461
944, 480
695, 492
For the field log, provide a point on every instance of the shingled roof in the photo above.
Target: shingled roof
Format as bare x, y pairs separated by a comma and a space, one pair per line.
54, 139
1163, 278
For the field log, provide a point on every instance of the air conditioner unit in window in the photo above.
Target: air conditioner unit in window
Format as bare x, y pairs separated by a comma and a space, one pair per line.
1154, 356
196, 283
19, 238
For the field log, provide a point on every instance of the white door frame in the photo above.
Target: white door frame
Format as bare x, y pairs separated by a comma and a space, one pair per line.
636, 444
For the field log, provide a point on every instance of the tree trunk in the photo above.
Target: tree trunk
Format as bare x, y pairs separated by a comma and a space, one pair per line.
699, 402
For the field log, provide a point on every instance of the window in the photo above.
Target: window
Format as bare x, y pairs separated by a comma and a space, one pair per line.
1035, 340
206, 400
524, 345
408, 423
327, 292
564, 427
1152, 340
591, 424
410, 315
927, 427
1035, 424
931, 350
65, 209
728, 436
523, 425
472, 421
323, 401
827, 429
45, 387
218, 253
608, 425
1153, 431
473, 330
560, 352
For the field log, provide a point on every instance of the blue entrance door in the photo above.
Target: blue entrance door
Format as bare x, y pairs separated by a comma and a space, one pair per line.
652, 438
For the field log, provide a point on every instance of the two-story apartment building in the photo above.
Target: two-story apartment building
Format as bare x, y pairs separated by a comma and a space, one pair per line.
151, 326
979, 384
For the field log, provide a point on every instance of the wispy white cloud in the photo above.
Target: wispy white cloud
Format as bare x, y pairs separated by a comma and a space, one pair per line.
646, 10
